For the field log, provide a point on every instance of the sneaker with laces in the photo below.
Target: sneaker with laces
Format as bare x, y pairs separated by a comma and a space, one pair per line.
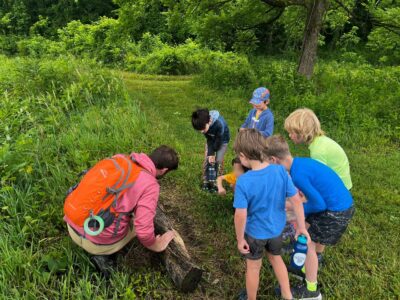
242, 295
302, 293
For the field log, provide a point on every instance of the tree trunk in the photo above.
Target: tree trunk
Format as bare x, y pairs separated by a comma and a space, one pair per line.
184, 273
315, 13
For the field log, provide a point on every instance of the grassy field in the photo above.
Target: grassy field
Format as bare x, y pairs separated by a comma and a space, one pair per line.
363, 266
45, 146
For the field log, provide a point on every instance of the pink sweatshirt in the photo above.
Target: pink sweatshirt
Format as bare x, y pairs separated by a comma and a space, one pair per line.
142, 199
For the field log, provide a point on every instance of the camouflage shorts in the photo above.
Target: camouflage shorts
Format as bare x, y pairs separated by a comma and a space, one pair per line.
327, 227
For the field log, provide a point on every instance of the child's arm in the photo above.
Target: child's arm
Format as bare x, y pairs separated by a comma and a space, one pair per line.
268, 127
220, 187
240, 224
246, 123
297, 205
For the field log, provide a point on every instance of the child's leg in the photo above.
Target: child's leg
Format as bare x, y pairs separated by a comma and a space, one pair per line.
220, 158
281, 274
311, 263
252, 277
205, 164
319, 248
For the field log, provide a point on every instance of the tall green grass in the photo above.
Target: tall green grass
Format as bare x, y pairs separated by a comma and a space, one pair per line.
58, 118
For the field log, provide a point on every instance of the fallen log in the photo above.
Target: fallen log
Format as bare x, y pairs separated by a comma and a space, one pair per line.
183, 272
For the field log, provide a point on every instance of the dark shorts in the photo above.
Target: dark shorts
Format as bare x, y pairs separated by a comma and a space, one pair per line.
257, 247
327, 227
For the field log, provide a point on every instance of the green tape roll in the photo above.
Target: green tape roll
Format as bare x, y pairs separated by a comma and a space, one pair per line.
89, 231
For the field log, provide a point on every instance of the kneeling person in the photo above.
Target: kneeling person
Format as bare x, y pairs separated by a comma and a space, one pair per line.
133, 197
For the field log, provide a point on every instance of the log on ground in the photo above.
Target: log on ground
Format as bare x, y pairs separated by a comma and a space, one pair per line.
183, 272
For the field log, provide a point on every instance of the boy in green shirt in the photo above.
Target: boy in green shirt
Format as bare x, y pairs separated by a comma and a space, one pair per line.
304, 127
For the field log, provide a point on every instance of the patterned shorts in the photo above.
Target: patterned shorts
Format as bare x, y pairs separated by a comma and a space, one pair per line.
327, 227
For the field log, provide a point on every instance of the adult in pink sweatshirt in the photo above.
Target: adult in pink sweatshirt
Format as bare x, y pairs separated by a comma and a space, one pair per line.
141, 199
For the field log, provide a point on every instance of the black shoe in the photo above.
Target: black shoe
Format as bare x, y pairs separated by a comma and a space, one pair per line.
278, 294
242, 295
302, 293
204, 187
104, 264
298, 273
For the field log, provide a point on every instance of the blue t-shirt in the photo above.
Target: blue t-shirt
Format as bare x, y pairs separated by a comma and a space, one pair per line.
263, 193
322, 187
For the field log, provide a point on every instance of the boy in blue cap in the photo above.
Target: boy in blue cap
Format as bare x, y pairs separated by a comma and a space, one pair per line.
328, 210
216, 131
260, 117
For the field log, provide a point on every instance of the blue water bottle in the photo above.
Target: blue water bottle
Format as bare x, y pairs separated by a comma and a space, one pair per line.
299, 254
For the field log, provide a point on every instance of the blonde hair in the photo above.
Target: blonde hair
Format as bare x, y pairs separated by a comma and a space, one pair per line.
304, 123
251, 143
277, 146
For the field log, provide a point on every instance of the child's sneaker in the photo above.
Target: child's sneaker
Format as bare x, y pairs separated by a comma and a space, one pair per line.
204, 186
278, 294
302, 293
242, 295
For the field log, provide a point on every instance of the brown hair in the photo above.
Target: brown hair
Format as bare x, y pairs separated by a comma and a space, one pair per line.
277, 146
251, 143
165, 157
304, 123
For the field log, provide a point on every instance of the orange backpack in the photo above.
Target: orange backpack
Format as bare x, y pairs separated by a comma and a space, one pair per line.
97, 194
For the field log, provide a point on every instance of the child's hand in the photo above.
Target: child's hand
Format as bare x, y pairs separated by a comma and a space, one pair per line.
211, 159
222, 192
305, 233
243, 247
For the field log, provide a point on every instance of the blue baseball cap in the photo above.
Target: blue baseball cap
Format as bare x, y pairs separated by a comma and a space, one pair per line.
260, 95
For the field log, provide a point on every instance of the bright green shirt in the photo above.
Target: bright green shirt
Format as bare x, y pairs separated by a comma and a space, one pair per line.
331, 154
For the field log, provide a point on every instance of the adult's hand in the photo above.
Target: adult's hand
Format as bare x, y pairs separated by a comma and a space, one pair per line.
162, 241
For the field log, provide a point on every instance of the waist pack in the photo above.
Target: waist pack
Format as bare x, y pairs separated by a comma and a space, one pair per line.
92, 203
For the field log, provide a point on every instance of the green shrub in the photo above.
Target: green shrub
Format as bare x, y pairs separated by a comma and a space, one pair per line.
227, 71
37, 46
8, 44
346, 96
154, 57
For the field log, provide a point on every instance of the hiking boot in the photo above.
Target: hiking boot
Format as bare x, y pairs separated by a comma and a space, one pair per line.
302, 293
298, 273
242, 295
104, 264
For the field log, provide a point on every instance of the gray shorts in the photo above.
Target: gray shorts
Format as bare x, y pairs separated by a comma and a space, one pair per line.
272, 246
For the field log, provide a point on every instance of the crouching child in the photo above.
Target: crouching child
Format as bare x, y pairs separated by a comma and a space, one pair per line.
216, 131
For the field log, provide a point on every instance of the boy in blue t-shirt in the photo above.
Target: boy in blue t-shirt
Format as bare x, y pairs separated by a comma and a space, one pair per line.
328, 209
260, 216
